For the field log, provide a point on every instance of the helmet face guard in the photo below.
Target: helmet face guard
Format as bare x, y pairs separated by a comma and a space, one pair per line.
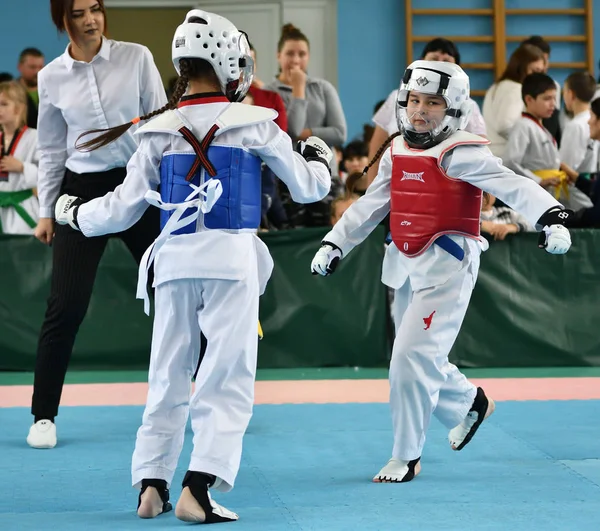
437, 131
434, 78
236, 89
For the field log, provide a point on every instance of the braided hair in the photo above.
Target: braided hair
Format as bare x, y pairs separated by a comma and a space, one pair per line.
380, 151
187, 67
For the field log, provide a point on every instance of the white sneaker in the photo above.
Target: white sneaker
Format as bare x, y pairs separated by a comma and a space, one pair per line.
42, 434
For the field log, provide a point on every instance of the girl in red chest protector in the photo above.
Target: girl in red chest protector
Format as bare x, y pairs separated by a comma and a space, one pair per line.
431, 180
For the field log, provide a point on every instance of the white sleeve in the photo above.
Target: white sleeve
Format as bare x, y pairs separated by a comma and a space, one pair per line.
151, 85
363, 216
385, 117
476, 124
307, 182
477, 165
518, 142
573, 145
122, 208
505, 107
52, 145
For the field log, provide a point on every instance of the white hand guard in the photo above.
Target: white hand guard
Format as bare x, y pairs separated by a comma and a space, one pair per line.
326, 259
558, 239
555, 237
65, 210
313, 148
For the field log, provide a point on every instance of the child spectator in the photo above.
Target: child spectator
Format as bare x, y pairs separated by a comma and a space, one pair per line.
577, 149
19, 207
498, 221
531, 149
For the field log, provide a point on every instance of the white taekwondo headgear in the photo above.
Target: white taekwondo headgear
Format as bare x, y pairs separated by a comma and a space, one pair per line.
436, 78
215, 39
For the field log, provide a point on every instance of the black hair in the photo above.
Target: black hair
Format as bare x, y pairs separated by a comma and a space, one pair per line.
536, 84
596, 107
442, 45
30, 52
355, 149
583, 85
539, 42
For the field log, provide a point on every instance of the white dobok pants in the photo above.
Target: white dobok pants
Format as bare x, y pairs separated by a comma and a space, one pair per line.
422, 380
221, 405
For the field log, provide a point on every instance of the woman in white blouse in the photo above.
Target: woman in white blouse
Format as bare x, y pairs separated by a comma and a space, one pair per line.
96, 83
503, 103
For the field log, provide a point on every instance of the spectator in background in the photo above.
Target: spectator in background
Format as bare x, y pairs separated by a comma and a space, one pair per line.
368, 129
588, 183
268, 98
313, 105
531, 150
499, 221
438, 49
354, 161
503, 103
578, 150
553, 124
19, 208
31, 61
313, 108
5, 76
342, 202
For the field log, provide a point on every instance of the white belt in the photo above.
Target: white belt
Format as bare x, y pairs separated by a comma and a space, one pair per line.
208, 194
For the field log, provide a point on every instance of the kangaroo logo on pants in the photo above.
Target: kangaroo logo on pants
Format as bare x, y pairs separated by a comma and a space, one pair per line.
427, 320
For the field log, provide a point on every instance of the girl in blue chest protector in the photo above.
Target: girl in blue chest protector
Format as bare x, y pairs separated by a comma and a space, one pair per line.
203, 153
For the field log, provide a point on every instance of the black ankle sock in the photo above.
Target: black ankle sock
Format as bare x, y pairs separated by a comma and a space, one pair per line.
37, 419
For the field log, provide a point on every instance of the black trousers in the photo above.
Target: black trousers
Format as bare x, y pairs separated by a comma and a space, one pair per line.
75, 260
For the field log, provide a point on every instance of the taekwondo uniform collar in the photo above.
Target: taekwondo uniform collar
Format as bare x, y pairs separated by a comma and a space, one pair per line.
104, 52
531, 117
206, 97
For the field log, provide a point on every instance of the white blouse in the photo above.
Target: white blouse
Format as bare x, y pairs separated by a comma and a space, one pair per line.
119, 84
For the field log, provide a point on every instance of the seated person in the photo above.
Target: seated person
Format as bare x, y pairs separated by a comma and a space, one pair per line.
531, 149
499, 221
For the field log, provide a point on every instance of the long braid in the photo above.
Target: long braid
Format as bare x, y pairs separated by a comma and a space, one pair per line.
380, 151
110, 135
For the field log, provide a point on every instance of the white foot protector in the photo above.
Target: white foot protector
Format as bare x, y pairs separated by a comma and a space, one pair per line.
189, 509
42, 434
462, 434
397, 471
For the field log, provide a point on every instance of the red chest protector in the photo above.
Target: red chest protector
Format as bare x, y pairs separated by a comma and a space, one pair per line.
425, 202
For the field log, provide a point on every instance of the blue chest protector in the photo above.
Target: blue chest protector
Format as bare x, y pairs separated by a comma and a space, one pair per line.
239, 206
